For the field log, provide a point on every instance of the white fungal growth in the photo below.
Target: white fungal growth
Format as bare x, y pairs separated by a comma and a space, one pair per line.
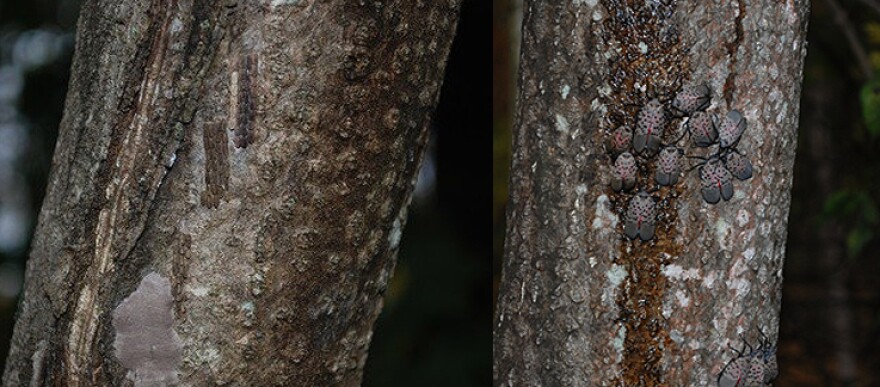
146, 343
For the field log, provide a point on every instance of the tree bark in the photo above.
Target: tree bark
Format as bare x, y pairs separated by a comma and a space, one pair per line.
245, 166
582, 305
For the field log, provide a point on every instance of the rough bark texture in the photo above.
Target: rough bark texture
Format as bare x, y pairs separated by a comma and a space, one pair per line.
579, 304
260, 156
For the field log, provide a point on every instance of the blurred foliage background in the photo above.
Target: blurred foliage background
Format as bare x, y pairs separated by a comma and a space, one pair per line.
435, 327
830, 324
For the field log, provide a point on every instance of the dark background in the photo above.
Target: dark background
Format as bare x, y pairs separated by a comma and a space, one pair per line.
435, 327
830, 323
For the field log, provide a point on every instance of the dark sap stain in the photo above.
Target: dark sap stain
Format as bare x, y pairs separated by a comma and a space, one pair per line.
633, 26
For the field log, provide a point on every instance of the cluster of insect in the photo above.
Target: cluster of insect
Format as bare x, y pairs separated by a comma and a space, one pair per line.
752, 367
707, 130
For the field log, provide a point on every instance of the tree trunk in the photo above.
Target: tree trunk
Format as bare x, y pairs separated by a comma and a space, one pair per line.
582, 305
228, 191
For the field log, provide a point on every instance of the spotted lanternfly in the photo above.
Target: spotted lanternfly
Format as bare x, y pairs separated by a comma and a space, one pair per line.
624, 174
768, 354
755, 376
735, 373
771, 368
620, 139
649, 127
715, 181
702, 129
738, 165
640, 217
668, 166
731, 128
691, 99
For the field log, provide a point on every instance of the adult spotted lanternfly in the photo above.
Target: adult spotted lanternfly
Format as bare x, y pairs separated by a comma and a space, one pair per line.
738, 165
715, 182
620, 139
731, 129
702, 129
668, 166
753, 368
735, 373
640, 217
624, 175
691, 99
768, 355
650, 123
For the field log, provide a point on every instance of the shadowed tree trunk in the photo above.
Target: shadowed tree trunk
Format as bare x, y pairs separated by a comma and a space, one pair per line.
228, 191
582, 305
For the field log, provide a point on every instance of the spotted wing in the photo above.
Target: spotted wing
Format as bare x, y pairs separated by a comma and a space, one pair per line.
702, 129
734, 373
646, 231
709, 188
739, 166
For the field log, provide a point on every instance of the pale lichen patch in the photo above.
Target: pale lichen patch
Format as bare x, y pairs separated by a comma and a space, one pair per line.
742, 217
561, 124
619, 340
749, 254
683, 300
615, 275
740, 286
676, 336
709, 280
722, 232
674, 271
395, 234
198, 291
605, 216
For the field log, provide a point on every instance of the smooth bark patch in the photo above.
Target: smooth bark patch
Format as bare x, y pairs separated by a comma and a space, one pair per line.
146, 343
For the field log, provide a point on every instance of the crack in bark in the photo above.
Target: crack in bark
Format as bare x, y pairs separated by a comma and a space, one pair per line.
732, 49
85, 321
